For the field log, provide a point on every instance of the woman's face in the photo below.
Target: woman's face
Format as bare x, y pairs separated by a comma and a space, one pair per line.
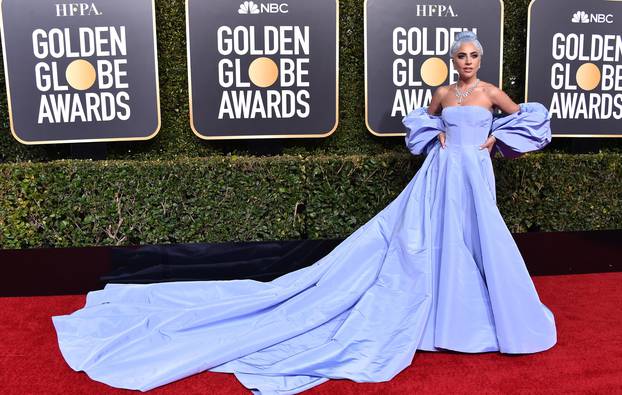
467, 60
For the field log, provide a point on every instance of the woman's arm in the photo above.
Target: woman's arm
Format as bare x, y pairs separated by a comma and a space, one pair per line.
437, 97
501, 100
435, 106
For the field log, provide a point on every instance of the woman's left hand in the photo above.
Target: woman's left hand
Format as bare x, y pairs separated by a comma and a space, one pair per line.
490, 142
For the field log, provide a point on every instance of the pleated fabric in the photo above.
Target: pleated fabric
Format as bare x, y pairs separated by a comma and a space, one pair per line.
435, 269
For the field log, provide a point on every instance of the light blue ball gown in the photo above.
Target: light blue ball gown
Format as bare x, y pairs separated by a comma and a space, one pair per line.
435, 269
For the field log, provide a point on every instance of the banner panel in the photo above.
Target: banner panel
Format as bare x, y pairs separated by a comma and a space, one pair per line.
81, 72
574, 51
407, 47
262, 69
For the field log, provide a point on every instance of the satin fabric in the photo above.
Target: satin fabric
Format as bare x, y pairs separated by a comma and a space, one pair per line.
435, 269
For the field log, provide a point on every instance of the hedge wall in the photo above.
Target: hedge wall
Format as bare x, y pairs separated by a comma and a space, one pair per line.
176, 139
83, 203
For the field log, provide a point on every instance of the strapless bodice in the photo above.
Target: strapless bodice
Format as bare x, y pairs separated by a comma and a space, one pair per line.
469, 126
466, 125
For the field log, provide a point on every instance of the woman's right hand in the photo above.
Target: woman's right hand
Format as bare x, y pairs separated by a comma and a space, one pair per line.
441, 138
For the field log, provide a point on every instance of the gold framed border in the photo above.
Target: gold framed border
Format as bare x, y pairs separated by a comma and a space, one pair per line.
393, 134
263, 136
582, 135
8, 91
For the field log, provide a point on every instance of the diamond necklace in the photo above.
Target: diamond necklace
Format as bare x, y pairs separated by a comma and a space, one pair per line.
461, 95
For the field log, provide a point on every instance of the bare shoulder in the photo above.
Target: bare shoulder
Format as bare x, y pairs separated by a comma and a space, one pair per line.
489, 89
441, 91
437, 99
499, 98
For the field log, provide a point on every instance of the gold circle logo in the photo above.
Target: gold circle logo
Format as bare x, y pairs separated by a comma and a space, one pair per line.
263, 72
588, 76
80, 74
434, 71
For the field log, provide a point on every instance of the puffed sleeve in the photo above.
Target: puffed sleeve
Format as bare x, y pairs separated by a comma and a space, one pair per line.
528, 129
422, 130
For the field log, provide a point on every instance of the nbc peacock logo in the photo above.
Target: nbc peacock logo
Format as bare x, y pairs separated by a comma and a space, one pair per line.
584, 17
580, 17
248, 7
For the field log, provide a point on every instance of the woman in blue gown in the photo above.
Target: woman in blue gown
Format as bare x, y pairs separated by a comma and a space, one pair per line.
435, 269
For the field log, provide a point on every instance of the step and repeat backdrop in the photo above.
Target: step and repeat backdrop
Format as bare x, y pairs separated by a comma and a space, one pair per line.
88, 71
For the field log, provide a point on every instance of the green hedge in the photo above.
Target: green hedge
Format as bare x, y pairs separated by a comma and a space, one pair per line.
83, 203
176, 139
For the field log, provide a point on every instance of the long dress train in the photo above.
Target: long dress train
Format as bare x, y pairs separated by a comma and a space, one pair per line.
435, 269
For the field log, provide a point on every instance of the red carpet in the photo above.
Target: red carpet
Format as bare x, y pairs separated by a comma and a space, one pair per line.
586, 359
